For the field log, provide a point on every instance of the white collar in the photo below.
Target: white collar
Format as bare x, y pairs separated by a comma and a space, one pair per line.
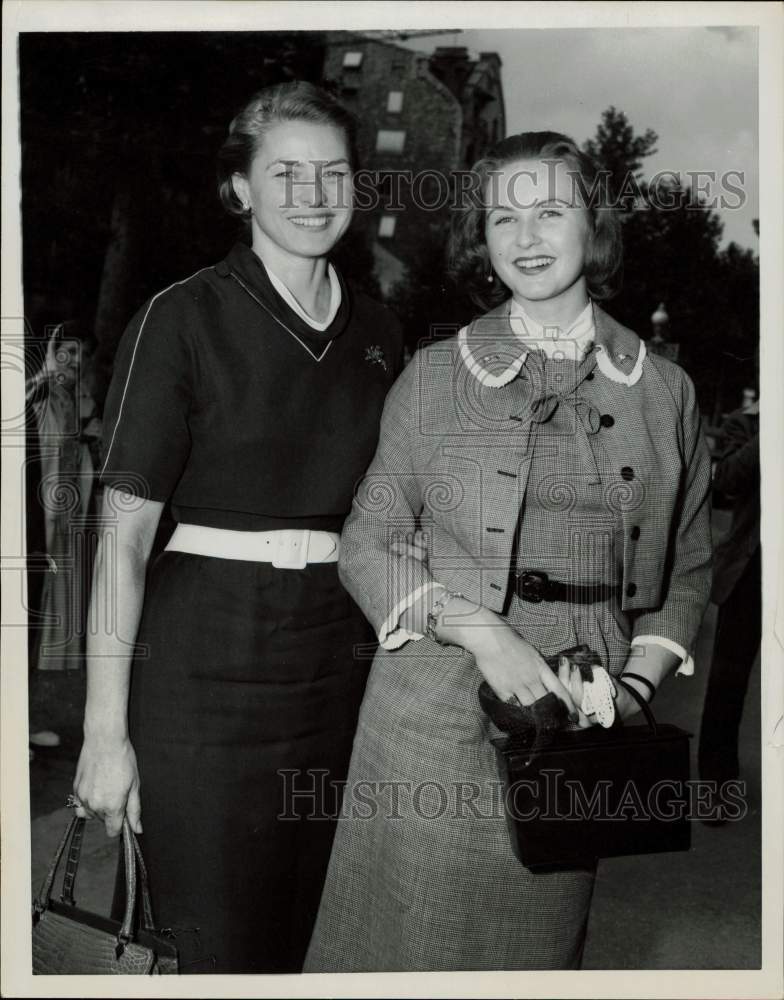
335, 297
574, 344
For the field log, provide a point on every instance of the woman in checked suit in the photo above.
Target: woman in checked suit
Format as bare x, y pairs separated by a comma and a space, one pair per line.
561, 476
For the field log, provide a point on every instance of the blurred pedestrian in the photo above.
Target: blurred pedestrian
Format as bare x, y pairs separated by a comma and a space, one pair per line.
750, 402
63, 495
737, 589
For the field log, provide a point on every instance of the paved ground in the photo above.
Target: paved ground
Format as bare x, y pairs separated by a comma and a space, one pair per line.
698, 909
694, 910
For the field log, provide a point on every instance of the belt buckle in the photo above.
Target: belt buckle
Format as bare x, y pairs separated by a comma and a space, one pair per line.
531, 586
291, 548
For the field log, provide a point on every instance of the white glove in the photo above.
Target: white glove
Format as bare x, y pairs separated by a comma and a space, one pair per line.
599, 697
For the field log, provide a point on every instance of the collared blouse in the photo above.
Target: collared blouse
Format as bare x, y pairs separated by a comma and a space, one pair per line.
455, 452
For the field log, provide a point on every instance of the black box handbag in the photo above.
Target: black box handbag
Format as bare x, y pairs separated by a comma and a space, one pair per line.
70, 941
595, 793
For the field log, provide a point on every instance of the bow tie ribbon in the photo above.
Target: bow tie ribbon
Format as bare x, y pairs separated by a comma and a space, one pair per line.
552, 385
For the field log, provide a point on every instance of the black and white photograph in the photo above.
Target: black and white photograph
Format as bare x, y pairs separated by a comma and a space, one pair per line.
391, 441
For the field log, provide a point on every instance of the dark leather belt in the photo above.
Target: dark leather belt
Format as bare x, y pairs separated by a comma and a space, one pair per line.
535, 586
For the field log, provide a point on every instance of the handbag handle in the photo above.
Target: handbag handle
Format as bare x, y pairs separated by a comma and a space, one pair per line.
645, 708
148, 921
132, 860
45, 892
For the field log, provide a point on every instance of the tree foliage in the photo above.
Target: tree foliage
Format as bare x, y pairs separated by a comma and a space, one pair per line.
672, 243
119, 137
621, 154
672, 254
120, 132
426, 300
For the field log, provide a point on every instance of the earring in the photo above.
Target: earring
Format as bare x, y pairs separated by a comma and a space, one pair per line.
491, 277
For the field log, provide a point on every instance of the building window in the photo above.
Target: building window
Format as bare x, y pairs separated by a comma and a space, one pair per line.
352, 60
386, 227
390, 141
395, 102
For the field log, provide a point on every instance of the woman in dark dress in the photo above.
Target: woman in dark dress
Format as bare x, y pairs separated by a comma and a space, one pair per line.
248, 395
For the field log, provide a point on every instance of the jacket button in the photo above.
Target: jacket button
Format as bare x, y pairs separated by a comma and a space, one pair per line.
606, 420
631, 590
589, 377
635, 532
627, 473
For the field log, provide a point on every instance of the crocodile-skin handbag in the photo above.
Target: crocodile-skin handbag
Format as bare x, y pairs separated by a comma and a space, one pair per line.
70, 941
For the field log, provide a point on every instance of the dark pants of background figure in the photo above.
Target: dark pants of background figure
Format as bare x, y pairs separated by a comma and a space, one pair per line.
737, 642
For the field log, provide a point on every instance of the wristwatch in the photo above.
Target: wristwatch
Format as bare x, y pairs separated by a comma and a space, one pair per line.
432, 616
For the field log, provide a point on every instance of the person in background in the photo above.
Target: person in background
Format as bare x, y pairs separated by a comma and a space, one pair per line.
737, 589
63, 494
39, 563
63, 433
750, 402
249, 395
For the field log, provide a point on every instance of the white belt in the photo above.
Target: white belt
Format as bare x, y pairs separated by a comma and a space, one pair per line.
288, 548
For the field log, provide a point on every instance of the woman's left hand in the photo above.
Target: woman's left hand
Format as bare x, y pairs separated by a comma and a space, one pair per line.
625, 705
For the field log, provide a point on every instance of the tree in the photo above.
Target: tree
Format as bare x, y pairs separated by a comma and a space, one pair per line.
738, 295
672, 254
621, 154
119, 137
426, 300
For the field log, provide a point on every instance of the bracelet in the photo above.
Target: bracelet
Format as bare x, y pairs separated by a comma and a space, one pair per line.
435, 611
643, 680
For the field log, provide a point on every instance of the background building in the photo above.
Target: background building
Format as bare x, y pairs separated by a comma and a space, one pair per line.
421, 118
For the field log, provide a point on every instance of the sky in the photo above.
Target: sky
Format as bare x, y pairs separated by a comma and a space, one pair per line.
695, 87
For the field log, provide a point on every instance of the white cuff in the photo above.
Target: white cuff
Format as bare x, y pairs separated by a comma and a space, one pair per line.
687, 662
392, 637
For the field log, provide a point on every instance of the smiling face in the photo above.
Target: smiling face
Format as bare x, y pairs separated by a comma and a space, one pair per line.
299, 189
538, 236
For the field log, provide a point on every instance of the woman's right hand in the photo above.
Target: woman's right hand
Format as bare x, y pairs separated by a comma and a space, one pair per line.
107, 784
512, 666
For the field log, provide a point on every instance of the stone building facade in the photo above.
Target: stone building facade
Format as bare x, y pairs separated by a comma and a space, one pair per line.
422, 118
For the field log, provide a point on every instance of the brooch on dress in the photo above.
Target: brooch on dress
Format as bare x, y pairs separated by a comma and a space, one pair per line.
375, 356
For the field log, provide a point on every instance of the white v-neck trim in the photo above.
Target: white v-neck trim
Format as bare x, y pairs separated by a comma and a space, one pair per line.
335, 297
279, 321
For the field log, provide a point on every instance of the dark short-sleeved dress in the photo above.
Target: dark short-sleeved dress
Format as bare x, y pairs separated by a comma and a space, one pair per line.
247, 679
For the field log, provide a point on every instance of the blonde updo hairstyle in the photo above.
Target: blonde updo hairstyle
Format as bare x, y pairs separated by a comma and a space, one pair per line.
297, 101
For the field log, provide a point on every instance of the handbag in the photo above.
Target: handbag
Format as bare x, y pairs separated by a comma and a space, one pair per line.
574, 796
71, 941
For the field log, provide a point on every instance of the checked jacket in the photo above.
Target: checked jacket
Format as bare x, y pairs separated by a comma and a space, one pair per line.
453, 459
